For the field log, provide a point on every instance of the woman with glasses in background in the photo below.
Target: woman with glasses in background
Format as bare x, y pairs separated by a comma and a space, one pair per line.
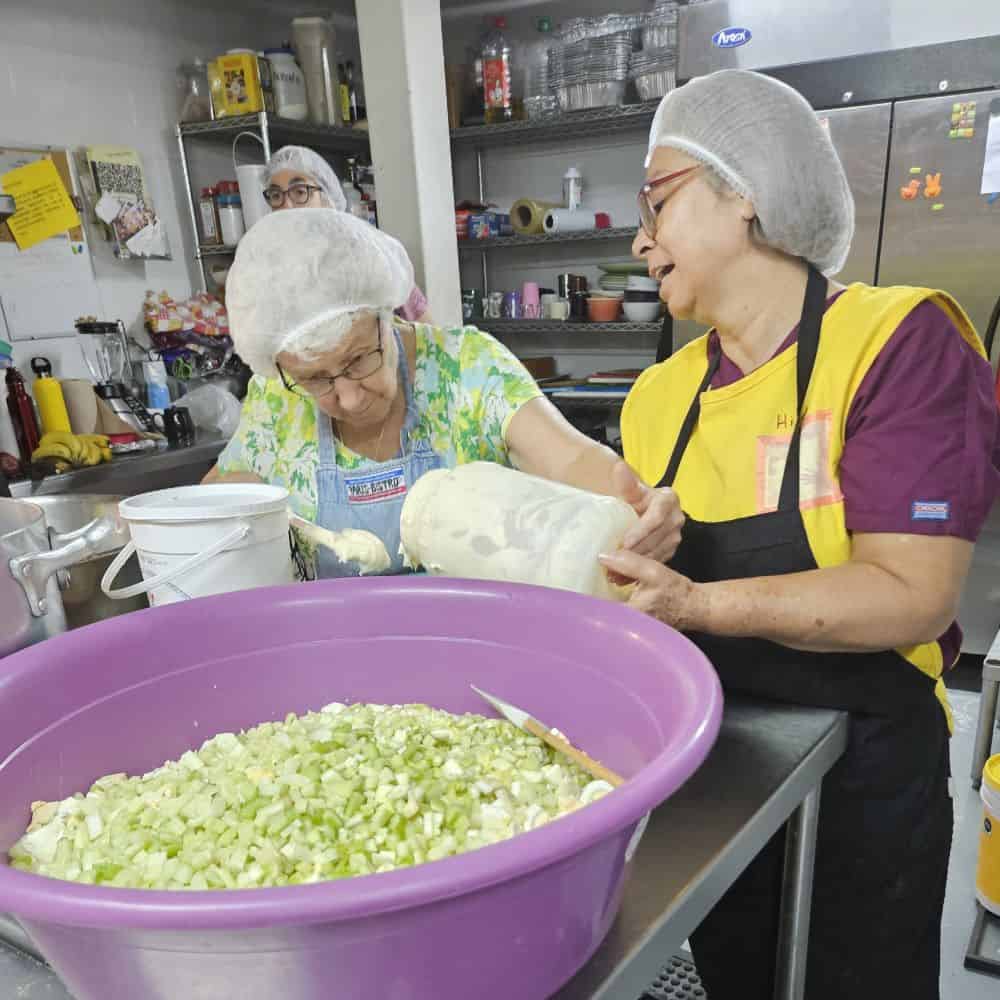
298, 177
351, 405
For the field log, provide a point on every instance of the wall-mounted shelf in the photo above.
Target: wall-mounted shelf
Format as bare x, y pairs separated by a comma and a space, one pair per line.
544, 239
593, 122
215, 251
505, 327
273, 132
331, 138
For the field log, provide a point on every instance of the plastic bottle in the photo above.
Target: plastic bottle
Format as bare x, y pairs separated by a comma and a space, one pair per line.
498, 99
572, 188
534, 65
49, 397
289, 85
315, 46
22, 415
157, 390
483, 521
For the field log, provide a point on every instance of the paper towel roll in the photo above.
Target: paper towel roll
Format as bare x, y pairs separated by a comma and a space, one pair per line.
562, 220
81, 404
527, 216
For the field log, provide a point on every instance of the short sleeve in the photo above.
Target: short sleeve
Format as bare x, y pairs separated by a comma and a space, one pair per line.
494, 385
276, 439
921, 451
235, 456
414, 307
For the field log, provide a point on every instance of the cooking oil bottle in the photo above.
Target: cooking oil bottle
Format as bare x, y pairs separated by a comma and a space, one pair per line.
498, 100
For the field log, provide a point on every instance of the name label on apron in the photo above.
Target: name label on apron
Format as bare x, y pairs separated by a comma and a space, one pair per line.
376, 487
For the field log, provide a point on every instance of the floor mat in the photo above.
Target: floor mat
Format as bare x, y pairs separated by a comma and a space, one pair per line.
678, 981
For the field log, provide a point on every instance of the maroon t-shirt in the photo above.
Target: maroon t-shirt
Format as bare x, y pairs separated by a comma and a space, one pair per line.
922, 450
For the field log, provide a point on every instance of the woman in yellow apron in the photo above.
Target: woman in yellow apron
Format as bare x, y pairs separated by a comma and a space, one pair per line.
833, 451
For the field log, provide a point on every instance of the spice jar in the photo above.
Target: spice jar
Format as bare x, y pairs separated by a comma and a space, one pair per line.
230, 207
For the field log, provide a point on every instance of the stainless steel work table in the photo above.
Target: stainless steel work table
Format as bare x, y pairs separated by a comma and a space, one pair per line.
766, 767
127, 475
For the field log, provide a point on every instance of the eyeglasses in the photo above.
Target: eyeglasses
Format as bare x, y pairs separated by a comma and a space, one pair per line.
648, 212
298, 194
318, 386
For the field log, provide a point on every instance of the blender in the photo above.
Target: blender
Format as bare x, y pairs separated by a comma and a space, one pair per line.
105, 351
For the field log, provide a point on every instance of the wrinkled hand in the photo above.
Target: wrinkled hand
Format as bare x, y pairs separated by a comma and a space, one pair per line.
659, 591
658, 532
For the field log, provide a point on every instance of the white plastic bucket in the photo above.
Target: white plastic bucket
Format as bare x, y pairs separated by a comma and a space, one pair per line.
251, 180
988, 870
193, 541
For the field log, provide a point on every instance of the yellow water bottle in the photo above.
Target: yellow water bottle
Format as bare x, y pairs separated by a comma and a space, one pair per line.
49, 397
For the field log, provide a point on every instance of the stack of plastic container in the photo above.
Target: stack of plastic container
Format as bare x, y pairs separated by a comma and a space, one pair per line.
536, 83
654, 69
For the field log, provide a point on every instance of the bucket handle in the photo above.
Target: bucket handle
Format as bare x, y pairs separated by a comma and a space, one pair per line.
249, 135
143, 586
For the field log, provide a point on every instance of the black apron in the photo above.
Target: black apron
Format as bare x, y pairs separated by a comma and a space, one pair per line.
885, 812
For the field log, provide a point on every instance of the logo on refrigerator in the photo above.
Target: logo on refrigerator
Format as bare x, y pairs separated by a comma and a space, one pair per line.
731, 38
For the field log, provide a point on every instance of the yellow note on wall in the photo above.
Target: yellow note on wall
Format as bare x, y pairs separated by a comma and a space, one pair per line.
44, 208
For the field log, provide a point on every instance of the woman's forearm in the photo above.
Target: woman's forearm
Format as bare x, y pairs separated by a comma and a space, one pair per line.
543, 443
855, 607
590, 467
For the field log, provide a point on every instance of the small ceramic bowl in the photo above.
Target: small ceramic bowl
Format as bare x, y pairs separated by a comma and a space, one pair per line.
640, 283
603, 310
632, 296
642, 312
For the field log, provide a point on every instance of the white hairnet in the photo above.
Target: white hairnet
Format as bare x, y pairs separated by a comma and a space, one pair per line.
765, 141
300, 278
306, 161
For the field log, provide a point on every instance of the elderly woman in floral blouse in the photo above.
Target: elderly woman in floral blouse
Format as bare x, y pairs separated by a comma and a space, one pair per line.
351, 405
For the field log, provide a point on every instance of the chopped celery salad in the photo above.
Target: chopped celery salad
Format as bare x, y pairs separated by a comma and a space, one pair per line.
348, 790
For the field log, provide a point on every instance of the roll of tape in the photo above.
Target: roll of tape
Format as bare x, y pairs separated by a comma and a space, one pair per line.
527, 216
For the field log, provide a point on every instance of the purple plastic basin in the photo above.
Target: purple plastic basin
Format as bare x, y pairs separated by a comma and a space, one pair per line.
512, 921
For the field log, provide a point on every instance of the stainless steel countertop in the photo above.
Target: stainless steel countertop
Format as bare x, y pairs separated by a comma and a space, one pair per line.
127, 475
767, 758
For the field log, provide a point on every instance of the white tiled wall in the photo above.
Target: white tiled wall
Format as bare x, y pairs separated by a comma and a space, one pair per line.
76, 72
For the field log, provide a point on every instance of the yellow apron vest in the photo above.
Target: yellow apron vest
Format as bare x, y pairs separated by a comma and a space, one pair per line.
734, 462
